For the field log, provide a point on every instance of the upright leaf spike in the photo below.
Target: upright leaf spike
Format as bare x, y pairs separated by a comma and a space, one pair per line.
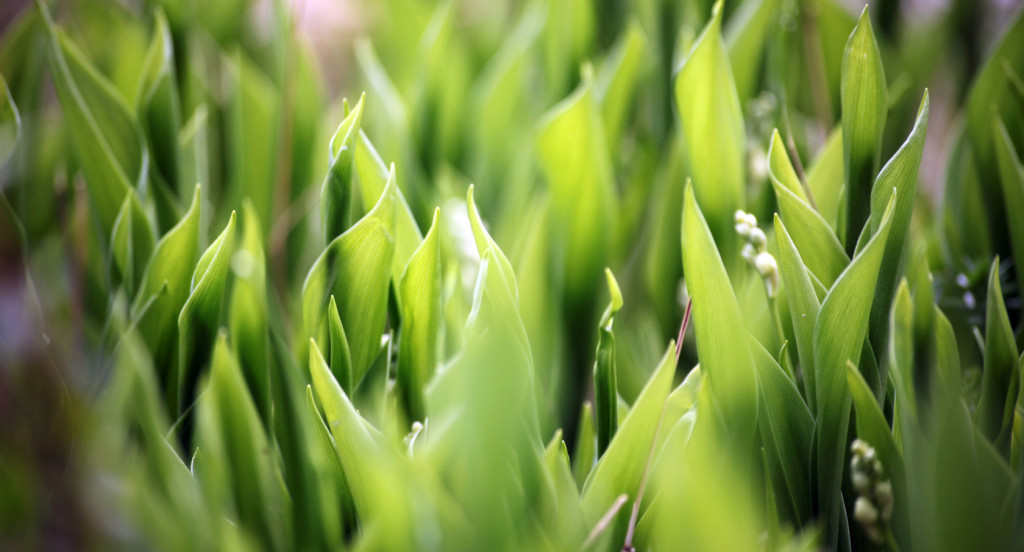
606, 395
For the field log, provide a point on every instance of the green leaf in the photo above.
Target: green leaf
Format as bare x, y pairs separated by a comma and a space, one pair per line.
606, 394
341, 354
249, 459
565, 522
199, 320
131, 241
418, 350
355, 269
336, 193
994, 414
573, 155
718, 325
10, 123
745, 35
247, 317
1011, 174
786, 429
839, 334
825, 178
803, 307
104, 134
706, 99
618, 78
621, 468
356, 446
252, 130
864, 104
899, 177
169, 268
374, 178
158, 105
812, 236
586, 446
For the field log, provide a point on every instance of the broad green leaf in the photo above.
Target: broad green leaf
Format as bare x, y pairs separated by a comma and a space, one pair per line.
586, 446
572, 153
105, 136
356, 446
899, 177
1011, 174
874, 429
994, 414
10, 123
249, 461
812, 236
247, 316
786, 429
565, 523
199, 320
839, 334
340, 353
863, 96
418, 351
901, 350
131, 241
336, 193
355, 269
569, 32
252, 130
825, 178
606, 394
681, 402
803, 307
746, 35
169, 268
719, 326
193, 140
617, 80
158, 105
712, 123
621, 468
484, 243
325, 442
374, 178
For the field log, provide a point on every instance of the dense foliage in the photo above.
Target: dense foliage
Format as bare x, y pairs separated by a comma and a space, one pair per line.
580, 274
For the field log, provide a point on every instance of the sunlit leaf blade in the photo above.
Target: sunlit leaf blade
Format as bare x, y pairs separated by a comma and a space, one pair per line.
10, 123
355, 269
622, 466
131, 241
336, 193
712, 123
158, 105
899, 177
839, 334
374, 176
863, 96
248, 460
617, 79
718, 323
874, 429
199, 320
1011, 174
994, 414
786, 428
356, 446
825, 178
170, 267
586, 446
746, 34
803, 307
106, 137
818, 246
565, 522
606, 395
340, 353
247, 316
572, 153
418, 351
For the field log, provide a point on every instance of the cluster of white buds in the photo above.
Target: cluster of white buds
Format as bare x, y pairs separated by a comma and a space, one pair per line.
873, 507
755, 251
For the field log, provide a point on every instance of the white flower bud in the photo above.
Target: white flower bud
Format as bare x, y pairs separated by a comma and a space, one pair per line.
749, 253
739, 216
883, 495
758, 238
861, 482
765, 264
751, 219
864, 511
743, 229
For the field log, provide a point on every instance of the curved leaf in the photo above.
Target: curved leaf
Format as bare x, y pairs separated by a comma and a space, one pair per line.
131, 241
247, 316
158, 105
606, 394
10, 123
803, 307
336, 193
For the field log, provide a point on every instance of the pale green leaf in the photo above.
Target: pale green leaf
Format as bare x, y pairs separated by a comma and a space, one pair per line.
131, 241
10, 123
247, 316
336, 193
1011, 174
994, 414
803, 307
